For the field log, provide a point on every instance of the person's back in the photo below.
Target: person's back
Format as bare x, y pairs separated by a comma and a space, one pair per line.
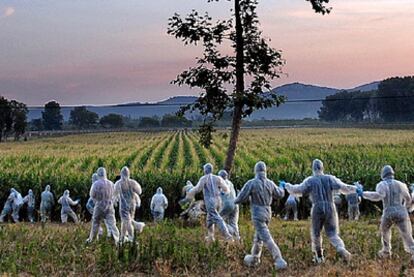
210, 188
159, 201
394, 194
322, 189
46, 199
260, 191
396, 200
18, 199
102, 192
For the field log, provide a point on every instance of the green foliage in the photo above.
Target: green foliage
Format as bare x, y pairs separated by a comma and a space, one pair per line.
52, 117
149, 122
348, 106
396, 99
13, 116
170, 120
83, 118
215, 72
112, 121
161, 159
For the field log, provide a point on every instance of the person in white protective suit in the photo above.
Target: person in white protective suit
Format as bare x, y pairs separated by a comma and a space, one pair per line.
211, 185
66, 210
159, 203
353, 201
46, 204
127, 192
90, 205
102, 194
260, 191
396, 200
321, 189
13, 204
230, 211
291, 206
30, 201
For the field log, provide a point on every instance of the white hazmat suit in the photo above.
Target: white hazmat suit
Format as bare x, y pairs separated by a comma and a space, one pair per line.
353, 201
261, 191
66, 210
321, 189
102, 194
396, 201
30, 201
291, 206
127, 191
159, 203
46, 204
211, 186
13, 204
229, 210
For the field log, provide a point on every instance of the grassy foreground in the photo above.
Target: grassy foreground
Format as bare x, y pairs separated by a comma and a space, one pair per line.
171, 249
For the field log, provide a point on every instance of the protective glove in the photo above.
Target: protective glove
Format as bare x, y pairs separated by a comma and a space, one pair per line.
360, 189
282, 184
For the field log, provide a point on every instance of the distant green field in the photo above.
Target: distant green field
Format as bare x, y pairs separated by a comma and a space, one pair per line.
168, 159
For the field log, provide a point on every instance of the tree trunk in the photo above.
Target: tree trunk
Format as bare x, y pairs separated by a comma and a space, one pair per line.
234, 137
238, 104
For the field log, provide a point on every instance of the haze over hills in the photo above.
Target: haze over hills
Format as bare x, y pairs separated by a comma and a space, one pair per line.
289, 110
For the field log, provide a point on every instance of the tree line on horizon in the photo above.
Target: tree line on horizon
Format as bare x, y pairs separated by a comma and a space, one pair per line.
393, 101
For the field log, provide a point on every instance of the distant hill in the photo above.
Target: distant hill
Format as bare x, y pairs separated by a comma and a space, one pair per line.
289, 110
368, 87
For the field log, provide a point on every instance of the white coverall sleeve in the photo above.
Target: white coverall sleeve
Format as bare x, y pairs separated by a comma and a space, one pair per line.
344, 188
408, 202
117, 192
277, 192
298, 190
198, 188
377, 195
244, 194
71, 202
137, 188
165, 202
60, 200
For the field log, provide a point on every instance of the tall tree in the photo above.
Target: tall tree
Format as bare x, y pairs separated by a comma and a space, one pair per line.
6, 121
52, 117
112, 120
253, 60
396, 99
82, 118
19, 117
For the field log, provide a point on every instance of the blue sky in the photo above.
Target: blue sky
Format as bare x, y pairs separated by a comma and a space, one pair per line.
101, 52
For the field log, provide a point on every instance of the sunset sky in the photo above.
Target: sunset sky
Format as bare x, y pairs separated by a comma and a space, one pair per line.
102, 52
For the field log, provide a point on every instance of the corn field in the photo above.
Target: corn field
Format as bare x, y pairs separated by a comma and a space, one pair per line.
168, 159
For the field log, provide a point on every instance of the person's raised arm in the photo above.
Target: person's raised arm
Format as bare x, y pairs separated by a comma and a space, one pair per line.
244, 193
298, 190
377, 195
277, 191
73, 203
198, 188
344, 188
